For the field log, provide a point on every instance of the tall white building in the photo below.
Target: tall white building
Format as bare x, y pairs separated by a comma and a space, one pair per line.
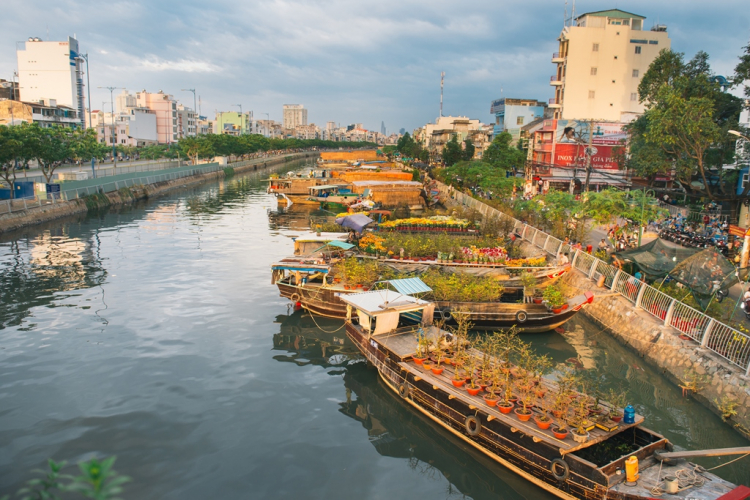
125, 101
602, 57
51, 70
294, 115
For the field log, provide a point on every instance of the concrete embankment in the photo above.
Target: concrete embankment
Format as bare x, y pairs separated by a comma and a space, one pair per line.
123, 196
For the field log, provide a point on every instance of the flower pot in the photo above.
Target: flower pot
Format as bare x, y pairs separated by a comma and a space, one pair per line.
427, 365
417, 360
458, 383
473, 391
556, 311
482, 383
540, 393
437, 370
505, 407
491, 401
557, 413
560, 434
365, 288
523, 417
513, 399
537, 300
346, 287
580, 438
565, 306
359, 286
615, 418
542, 424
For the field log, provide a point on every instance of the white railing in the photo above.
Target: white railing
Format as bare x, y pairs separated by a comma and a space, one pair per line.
723, 340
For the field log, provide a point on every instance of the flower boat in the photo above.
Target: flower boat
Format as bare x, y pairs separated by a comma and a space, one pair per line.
388, 328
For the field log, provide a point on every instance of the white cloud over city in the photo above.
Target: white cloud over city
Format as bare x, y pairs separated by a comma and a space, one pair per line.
345, 61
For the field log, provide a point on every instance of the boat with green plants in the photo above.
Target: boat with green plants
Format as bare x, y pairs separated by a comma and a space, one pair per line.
494, 394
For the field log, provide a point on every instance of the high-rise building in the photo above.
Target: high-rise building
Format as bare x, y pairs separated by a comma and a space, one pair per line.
125, 101
165, 108
186, 124
294, 115
51, 70
233, 123
382, 128
602, 57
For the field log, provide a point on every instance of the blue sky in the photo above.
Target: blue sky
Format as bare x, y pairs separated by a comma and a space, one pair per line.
346, 61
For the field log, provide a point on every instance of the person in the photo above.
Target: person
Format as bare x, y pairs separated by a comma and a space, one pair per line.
603, 245
562, 259
639, 275
569, 135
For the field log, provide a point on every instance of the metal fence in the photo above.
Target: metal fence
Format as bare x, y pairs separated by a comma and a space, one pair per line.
723, 340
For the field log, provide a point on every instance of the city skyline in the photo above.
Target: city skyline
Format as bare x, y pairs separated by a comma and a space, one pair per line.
346, 64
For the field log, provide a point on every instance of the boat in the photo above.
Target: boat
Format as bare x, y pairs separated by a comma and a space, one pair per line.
382, 325
306, 282
333, 197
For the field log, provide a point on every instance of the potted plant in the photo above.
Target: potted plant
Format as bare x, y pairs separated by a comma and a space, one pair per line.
524, 411
490, 397
439, 356
554, 298
423, 349
560, 430
459, 377
529, 285
580, 434
544, 421
617, 399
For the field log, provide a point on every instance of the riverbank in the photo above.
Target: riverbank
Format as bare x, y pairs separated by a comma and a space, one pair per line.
127, 195
686, 360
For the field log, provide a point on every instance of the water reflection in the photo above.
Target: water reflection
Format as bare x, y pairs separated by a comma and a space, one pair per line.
313, 341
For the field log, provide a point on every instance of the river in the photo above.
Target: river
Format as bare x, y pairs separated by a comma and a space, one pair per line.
153, 333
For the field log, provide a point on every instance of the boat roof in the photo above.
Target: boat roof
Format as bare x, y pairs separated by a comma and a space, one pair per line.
408, 286
323, 237
383, 183
327, 186
378, 302
338, 244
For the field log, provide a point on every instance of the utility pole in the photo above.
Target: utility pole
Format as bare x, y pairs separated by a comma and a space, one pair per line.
588, 156
112, 108
195, 109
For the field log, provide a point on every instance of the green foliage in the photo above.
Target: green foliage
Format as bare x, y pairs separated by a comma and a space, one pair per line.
469, 149
742, 70
228, 171
452, 151
461, 287
554, 296
408, 147
500, 154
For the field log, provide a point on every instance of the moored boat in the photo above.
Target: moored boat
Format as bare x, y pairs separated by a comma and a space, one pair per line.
381, 325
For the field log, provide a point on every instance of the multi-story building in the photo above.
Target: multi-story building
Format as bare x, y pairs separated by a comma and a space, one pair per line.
294, 115
164, 106
125, 101
8, 90
307, 131
46, 113
51, 70
186, 125
132, 127
233, 123
601, 59
511, 115
434, 136
205, 126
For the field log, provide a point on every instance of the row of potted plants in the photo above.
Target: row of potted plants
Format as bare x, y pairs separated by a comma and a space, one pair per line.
508, 375
436, 223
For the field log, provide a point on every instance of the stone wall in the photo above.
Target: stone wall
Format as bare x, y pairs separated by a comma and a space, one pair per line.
36, 215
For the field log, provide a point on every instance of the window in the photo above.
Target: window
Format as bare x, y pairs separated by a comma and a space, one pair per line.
595, 48
519, 120
591, 94
744, 180
633, 96
593, 71
635, 73
638, 49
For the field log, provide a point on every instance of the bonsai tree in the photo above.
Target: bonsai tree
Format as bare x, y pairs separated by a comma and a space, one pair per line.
554, 297
617, 398
580, 434
529, 283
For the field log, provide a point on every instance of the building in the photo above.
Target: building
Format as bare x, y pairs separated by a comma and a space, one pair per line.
47, 113
307, 131
434, 136
186, 123
601, 59
133, 127
511, 115
233, 123
205, 126
8, 90
164, 106
51, 71
125, 101
294, 115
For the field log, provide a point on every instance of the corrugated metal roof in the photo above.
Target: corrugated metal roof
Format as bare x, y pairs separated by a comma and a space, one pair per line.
410, 286
381, 301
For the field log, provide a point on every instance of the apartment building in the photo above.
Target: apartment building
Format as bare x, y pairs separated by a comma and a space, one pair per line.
164, 106
294, 116
601, 59
233, 123
132, 127
434, 136
46, 113
51, 71
511, 115
186, 122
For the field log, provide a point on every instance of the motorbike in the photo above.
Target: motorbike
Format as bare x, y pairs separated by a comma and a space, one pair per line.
745, 306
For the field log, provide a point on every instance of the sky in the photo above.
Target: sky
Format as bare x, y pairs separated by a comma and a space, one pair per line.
345, 61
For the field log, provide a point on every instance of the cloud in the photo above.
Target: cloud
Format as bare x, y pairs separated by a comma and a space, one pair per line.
188, 66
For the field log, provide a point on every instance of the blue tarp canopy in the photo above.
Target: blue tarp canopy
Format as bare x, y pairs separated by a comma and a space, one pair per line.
338, 244
410, 286
355, 221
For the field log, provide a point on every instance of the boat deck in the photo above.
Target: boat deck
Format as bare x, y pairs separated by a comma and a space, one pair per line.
403, 344
713, 488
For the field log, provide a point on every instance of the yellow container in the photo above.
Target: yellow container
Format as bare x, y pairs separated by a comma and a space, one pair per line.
631, 469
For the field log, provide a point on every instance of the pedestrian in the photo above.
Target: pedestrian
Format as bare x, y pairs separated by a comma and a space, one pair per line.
603, 245
562, 259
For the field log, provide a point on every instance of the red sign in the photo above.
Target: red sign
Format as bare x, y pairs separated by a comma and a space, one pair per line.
736, 231
575, 154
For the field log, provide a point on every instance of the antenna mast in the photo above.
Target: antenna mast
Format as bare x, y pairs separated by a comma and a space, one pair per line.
442, 77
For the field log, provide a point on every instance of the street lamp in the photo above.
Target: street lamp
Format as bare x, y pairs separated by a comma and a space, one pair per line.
195, 109
112, 108
734, 132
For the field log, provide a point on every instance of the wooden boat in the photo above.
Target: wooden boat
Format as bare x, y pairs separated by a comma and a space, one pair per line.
333, 197
380, 323
305, 282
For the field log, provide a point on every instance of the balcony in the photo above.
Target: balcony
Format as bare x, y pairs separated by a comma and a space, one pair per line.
543, 147
557, 58
556, 80
554, 104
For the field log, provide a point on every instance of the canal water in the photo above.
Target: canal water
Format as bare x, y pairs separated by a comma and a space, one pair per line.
153, 333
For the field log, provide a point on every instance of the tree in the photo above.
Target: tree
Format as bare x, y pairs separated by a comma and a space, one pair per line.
452, 151
469, 149
742, 72
501, 154
9, 145
196, 147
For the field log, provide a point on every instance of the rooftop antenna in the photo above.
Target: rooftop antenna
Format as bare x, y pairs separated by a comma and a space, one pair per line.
442, 77
565, 14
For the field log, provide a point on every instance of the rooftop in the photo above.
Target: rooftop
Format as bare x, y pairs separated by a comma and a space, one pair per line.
615, 13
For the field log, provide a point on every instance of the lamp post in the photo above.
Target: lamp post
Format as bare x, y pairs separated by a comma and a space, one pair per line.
195, 109
240, 106
112, 109
745, 255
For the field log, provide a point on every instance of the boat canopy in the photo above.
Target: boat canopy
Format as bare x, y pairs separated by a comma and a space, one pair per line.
379, 302
327, 186
338, 244
409, 286
355, 221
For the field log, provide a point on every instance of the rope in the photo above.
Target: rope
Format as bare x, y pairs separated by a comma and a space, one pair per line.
727, 463
319, 328
687, 477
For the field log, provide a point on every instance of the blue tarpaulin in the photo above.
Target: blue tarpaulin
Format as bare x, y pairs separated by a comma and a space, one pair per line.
355, 221
410, 286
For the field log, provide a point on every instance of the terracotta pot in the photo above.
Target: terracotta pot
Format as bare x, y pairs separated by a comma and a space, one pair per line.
417, 360
437, 370
557, 413
557, 311
458, 383
543, 425
537, 301
365, 288
505, 407
346, 287
359, 286
560, 434
490, 401
473, 391
615, 419
482, 383
513, 399
523, 417
427, 365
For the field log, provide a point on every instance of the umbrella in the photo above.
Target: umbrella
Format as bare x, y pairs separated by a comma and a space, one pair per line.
355, 221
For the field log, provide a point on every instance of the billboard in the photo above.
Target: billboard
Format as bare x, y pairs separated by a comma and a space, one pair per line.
575, 131
498, 106
602, 156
